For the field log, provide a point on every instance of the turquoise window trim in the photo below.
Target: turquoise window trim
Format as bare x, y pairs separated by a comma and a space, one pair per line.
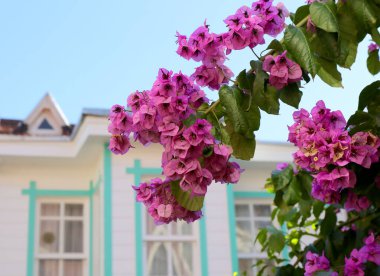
138, 171
231, 195
31, 228
252, 194
203, 243
107, 163
58, 193
231, 215
33, 194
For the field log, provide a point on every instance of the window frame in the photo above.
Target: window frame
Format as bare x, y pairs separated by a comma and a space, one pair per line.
61, 256
194, 238
251, 202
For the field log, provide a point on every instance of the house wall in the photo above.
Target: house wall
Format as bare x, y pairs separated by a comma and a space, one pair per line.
67, 173
123, 206
15, 176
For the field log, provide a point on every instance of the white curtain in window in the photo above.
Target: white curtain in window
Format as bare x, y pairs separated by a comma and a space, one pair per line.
182, 256
73, 268
73, 236
157, 261
48, 268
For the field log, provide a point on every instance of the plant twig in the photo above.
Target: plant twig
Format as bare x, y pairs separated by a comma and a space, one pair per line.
372, 215
255, 53
208, 110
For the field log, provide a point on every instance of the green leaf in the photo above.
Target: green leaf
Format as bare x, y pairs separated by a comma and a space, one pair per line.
293, 193
329, 222
274, 212
369, 94
348, 36
276, 242
318, 207
373, 62
245, 80
242, 146
362, 121
329, 73
324, 44
261, 236
190, 120
301, 13
244, 118
305, 207
270, 105
348, 52
305, 180
291, 95
364, 13
323, 16
375, 36
264, 96
305, 76
288, 270
185, 199
299, 47
275, 45
281, 179
224, 136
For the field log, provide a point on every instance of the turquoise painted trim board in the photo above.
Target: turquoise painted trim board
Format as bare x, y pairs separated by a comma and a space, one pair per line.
33, 194
231, 195
31, 228
231, 216
72, 193
107, 162
138, 171
257, 194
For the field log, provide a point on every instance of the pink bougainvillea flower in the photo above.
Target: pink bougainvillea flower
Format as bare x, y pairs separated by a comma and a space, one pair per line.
282, 70
373, 47
315, 263
119, 144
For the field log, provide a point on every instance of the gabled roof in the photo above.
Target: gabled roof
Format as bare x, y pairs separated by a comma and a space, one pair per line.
47, 102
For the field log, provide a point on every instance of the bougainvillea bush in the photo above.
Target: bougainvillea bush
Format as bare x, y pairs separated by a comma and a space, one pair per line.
331, 193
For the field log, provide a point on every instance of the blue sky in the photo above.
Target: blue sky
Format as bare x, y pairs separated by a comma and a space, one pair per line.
91, 53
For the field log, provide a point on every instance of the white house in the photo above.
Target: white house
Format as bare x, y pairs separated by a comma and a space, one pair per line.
67, 207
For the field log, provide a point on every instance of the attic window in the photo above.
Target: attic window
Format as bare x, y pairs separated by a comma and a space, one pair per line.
45, 125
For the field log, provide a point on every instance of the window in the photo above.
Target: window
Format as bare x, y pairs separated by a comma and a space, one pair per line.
61, 238
45, 125
250, 218
169, 250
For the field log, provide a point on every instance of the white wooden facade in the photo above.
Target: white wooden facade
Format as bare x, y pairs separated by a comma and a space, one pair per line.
87, 190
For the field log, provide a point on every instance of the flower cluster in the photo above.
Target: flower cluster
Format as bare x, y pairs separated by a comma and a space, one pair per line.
369, 252
356, 203
315, 263
282, 70
325, 146
327, 185
192, 157
354, 265
246, 28
161, 203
